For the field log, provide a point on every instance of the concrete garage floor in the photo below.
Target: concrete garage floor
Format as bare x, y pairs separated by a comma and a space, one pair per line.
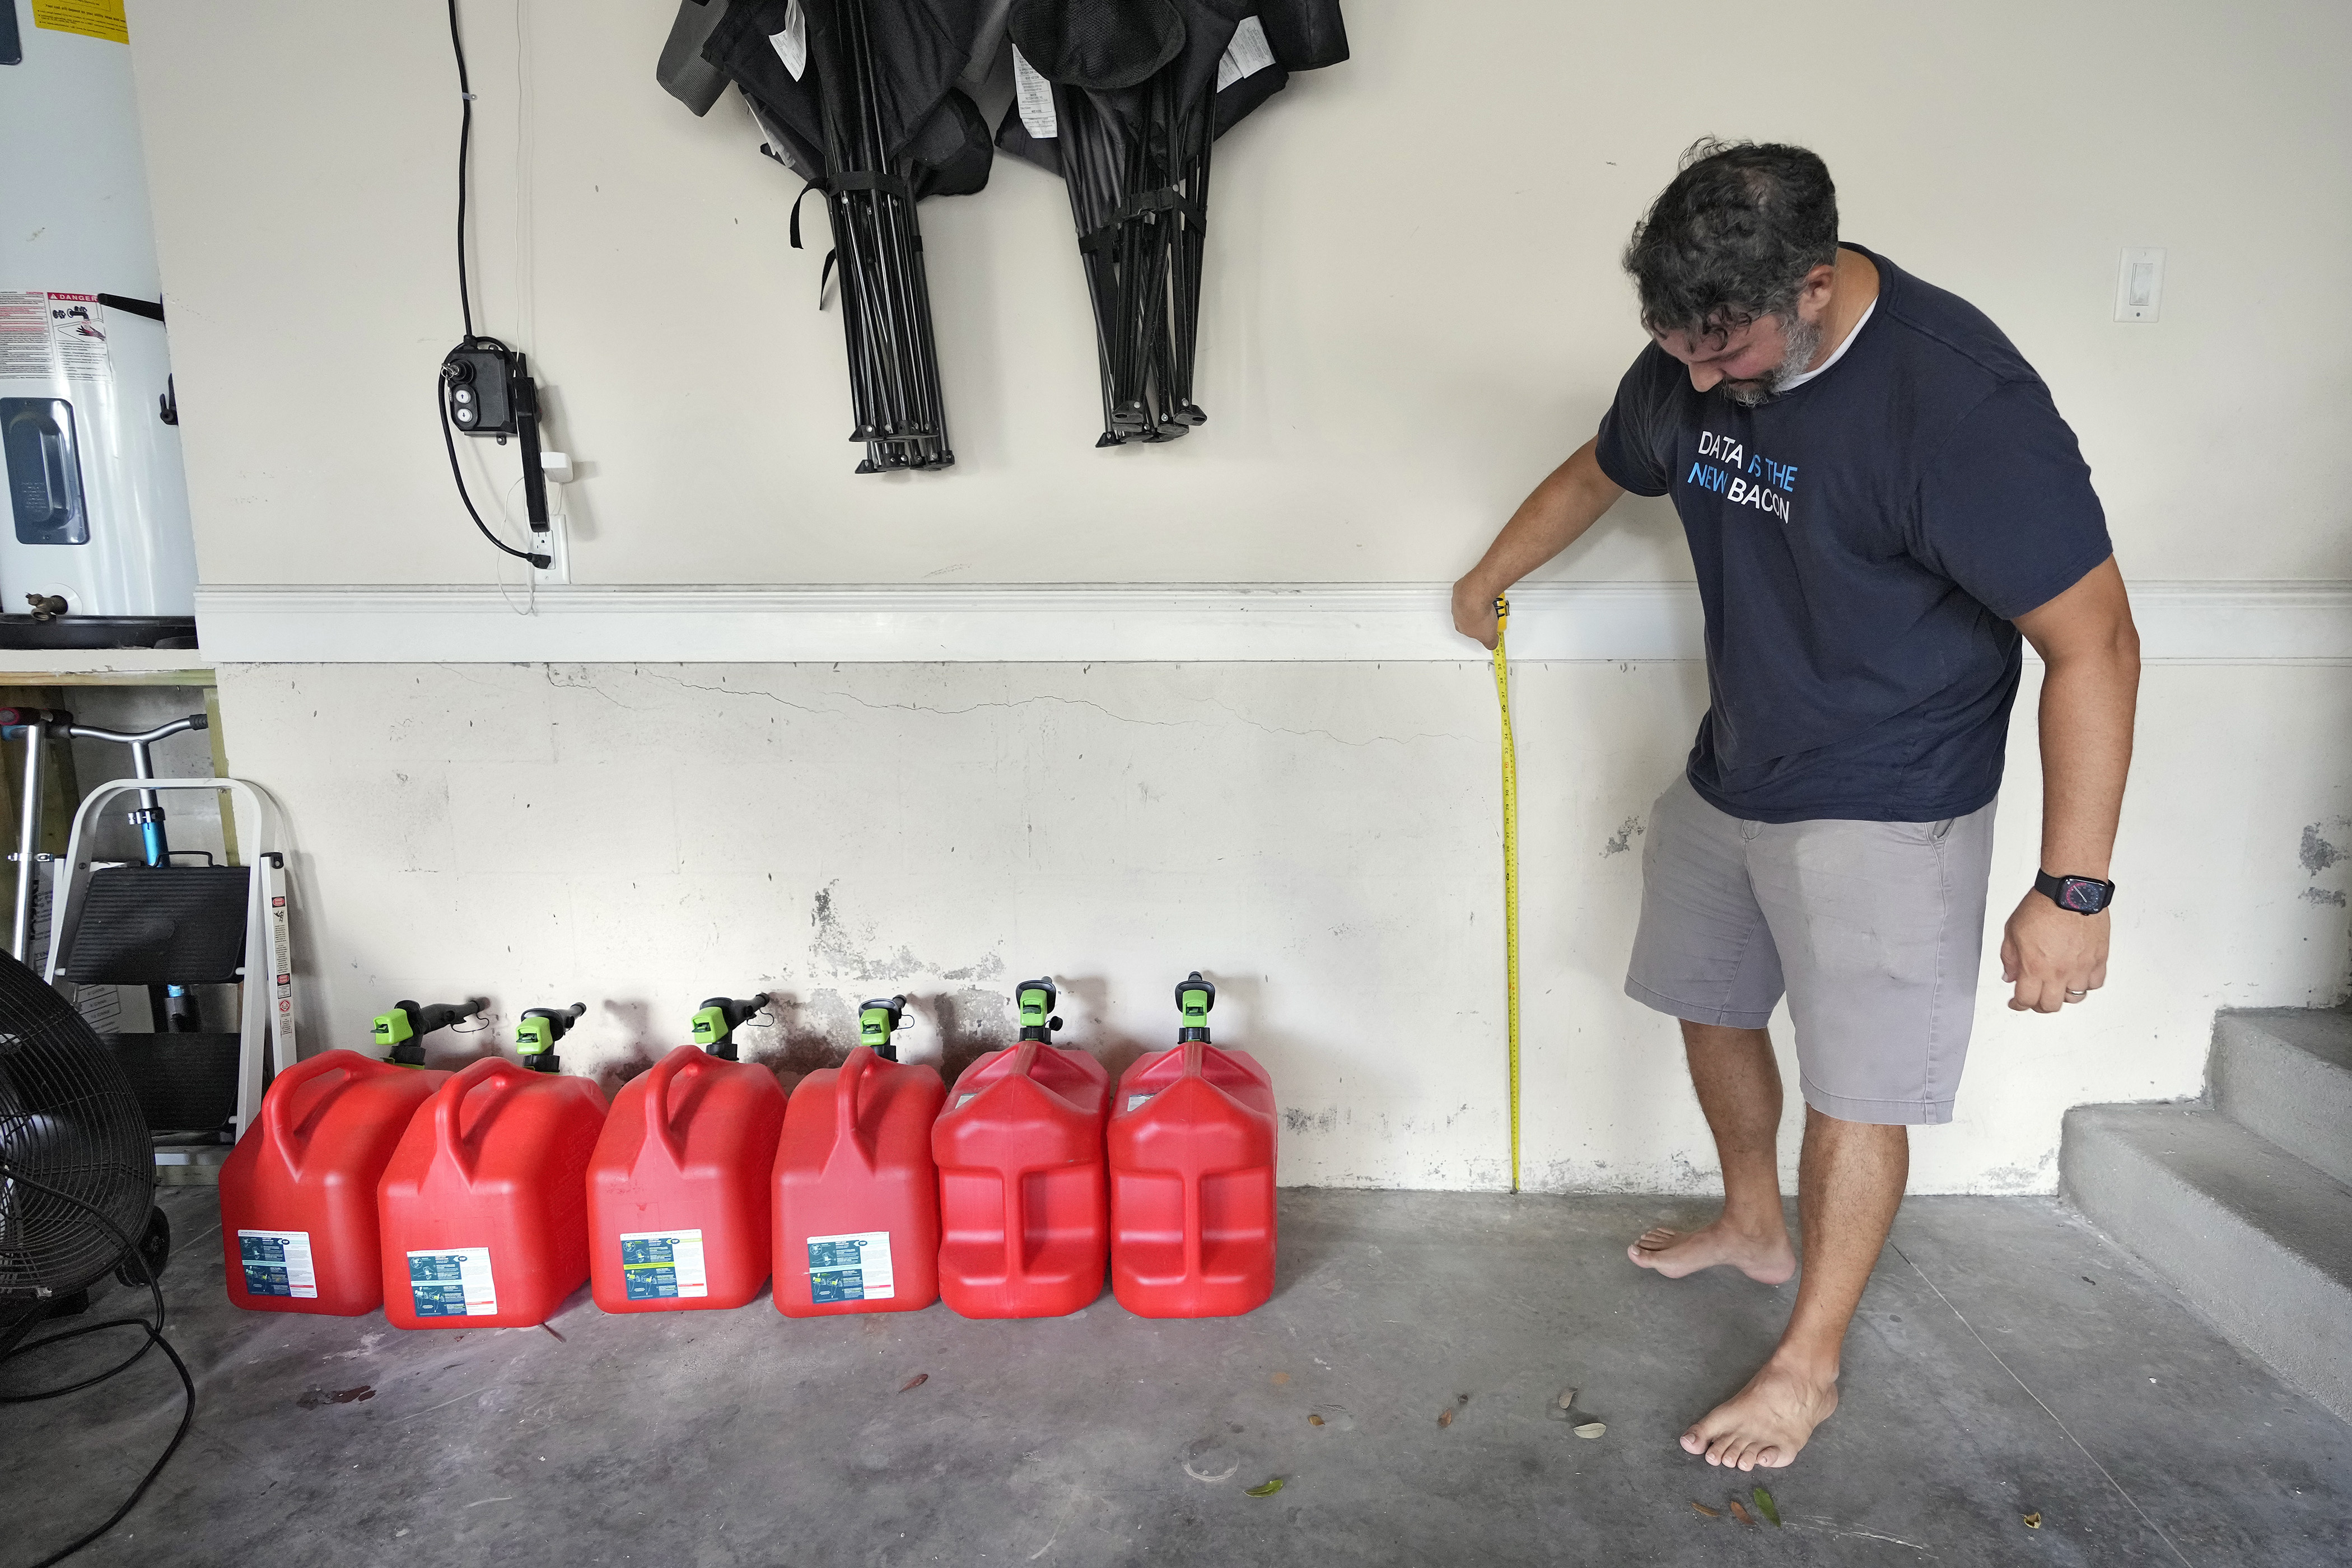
2008, 1362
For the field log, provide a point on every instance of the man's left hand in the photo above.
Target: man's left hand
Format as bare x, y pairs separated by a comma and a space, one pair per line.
2052, 956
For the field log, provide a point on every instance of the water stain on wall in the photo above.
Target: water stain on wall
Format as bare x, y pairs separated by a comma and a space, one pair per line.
806, 1032
2317, 853
1623, 839
972, 1022
836, 950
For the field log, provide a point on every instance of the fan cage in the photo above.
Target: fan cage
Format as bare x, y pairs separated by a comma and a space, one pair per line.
69, 1119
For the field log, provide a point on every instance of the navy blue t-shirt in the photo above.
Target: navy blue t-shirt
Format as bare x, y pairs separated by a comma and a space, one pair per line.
1863, 542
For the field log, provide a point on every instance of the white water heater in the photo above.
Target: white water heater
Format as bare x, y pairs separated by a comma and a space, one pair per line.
96, 509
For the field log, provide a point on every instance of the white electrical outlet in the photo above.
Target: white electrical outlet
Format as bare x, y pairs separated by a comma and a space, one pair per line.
557, 540
556, 543
2139, 285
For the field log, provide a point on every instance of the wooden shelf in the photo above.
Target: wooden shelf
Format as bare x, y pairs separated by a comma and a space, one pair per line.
104, 667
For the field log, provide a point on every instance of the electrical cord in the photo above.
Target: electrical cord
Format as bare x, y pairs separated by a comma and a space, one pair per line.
154, 1340
529, 605
465, 139
450, 441
466, 300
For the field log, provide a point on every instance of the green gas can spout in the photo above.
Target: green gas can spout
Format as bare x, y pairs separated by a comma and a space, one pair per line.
1035, 999
716, 1021
879, 1019
540, 1028
1194, 997
401, 1032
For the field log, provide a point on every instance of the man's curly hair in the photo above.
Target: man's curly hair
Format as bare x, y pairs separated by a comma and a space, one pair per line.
1732, 237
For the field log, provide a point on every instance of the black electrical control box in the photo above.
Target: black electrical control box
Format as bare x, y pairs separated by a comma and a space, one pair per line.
477, 382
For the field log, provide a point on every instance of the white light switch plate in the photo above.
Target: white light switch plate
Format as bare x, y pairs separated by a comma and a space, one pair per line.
2139, 284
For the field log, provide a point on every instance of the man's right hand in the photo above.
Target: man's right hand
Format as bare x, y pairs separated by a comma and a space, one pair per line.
1473, 613
1552, 519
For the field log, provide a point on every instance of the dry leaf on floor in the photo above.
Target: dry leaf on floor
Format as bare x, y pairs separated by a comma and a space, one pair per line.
1314, 1421
1268, 1489
2033, 1521
916, 1381
1281, 1377
1566, 1399
1710, 1512
1445, 1419
1592, 1430
1741, 1514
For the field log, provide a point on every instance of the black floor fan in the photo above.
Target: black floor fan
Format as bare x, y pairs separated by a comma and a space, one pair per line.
77, 1202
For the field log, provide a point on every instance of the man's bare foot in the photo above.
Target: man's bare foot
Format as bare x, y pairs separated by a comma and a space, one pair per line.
1673, 1253
1765, 1423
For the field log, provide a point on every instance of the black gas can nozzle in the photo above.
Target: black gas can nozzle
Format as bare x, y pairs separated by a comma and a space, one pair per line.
402, 1031
716, 1021
541, 1028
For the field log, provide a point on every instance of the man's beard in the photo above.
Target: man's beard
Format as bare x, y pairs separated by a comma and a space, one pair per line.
1804, 339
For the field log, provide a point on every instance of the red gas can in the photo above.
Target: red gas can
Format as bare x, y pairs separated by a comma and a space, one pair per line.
858, 1201
677, 1189
297, 1193
484, 1206
1191, 1145
1024, 1218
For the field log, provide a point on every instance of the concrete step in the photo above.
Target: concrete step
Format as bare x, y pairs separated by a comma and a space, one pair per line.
2257, 1239
2285, 1073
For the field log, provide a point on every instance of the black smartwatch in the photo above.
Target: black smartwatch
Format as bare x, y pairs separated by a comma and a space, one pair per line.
2083, 895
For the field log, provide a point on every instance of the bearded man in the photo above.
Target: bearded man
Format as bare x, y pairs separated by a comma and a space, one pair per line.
1880, 498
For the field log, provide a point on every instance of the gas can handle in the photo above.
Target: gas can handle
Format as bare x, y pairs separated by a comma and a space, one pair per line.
281, 1095
860, 1066
445, 1105
658, 1078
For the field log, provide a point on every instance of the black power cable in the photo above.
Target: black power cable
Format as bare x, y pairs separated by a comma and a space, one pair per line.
450, 441
154, 1339
465, 142
465, 304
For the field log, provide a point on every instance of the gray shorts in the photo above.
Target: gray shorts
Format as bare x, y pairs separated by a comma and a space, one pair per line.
1874, 929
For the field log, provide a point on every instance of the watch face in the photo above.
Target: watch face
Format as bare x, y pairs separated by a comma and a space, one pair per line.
2082, 895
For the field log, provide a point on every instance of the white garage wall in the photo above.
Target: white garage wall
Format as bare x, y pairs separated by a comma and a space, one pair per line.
1323, 841
1413, 305
1413, 311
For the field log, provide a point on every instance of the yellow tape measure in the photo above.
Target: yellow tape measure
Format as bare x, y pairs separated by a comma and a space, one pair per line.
1510, 863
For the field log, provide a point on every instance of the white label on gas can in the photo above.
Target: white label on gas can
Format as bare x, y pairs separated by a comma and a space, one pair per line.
452, 1282
278, 1263
855, 1268
663, 1265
